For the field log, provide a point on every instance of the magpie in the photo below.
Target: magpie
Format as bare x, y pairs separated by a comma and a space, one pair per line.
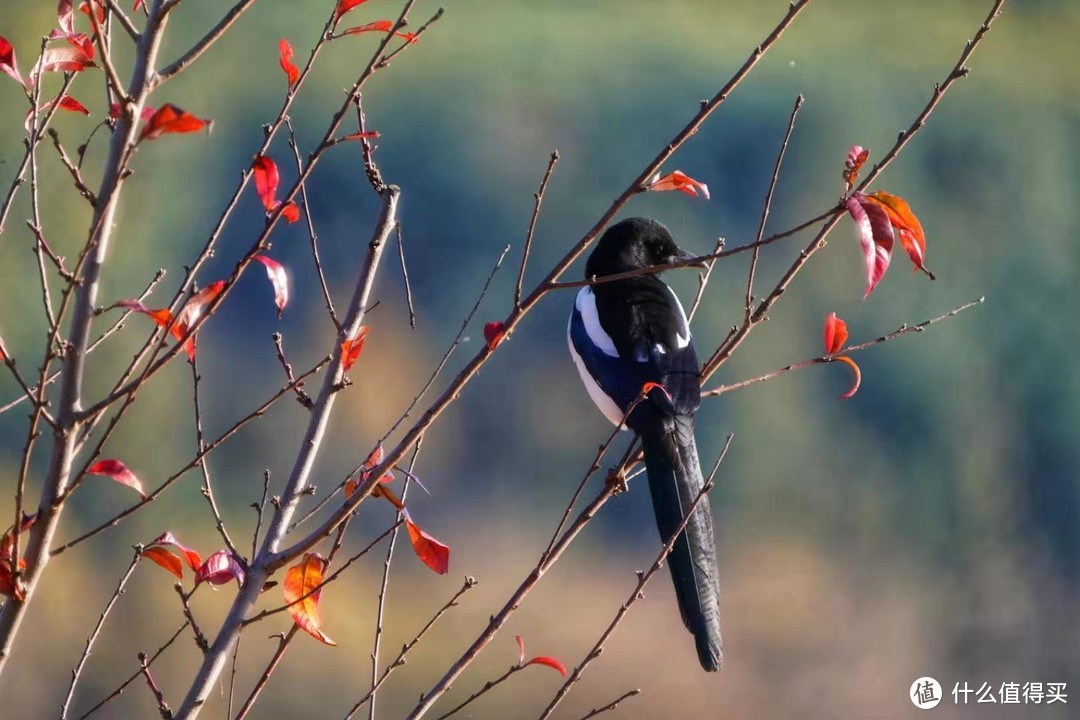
623, 334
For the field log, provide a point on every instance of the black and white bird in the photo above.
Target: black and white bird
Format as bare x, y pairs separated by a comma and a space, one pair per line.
623, 334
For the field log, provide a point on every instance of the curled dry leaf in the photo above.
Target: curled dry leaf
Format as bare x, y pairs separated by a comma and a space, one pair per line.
286, 55
430, 551
680, 181
190, 556
380, 26
9, 587
8, 65
836, 334
351, 349
875, 235
907, 227
279, 279
858, 376
493, 333
853, 163
650, 386
117, 471
220, 568
171, 119
302, 592
539, 660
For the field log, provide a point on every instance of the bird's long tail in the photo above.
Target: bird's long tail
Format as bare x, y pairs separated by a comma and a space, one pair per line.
675, 479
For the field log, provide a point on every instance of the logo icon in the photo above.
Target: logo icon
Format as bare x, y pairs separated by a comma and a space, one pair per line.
925, 693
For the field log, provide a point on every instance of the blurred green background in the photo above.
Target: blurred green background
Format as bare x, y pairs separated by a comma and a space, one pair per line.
925, 527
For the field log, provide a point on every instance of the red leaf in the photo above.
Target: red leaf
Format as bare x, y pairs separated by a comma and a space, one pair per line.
291, 71
8, 64
836, 334
680, 181
907, 226
66, 103
192, 557
171, 119
119, 472
278, 279
290, 212
192, 311
350, 349
81, 41
99, 6
853, 163
345, 6
493, 332
65, 17
165, 559
146, 114
875, 234
302, 580
375, 458
550, 662
379, 26
430, 551
650, 386
8, 587
138, 4
220, 568
63, 59
858, 376
266, 181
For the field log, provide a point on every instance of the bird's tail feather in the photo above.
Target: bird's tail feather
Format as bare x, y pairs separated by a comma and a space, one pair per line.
675, 479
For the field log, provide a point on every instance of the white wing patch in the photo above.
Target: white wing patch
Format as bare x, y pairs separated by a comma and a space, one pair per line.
606, 405
586, 305
684, 325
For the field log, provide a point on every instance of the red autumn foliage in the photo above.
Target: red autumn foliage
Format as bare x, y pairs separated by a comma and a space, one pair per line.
379, 26
118, 471
345, 6
650, 386
875, 236
194, 561
286, 52
8, 65
220, 568
66, 103
189, 314
853, 163
351, 349
431, 552
493, 333
267, 180
680, 181
64, 59
8, 586
169, 119
539, 660
279, 279
836, 334
907, 227
302, 592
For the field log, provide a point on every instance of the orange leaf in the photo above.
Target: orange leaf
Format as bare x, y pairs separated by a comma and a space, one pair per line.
8, 65
171, 119
386, 493
550, 662
493, 332
119, 472
291, 71
375, 458
368, 135
290, 212
220, 568
278, 279
853, 163
266, 181
430, 551
858, 376
302, 594
907, 225
680, 181
650, 386
345, 6
191, 556
165, 559
379, 26
836, 334
350, 349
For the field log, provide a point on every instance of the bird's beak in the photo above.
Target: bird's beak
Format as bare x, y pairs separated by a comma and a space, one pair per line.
689, 257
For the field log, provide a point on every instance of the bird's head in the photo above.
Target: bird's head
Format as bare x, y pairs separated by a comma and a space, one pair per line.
635, 244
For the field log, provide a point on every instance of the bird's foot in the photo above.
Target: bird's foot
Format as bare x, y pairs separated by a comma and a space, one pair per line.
617, 479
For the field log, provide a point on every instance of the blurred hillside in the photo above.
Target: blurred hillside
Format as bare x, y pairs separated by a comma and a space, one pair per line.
925, 527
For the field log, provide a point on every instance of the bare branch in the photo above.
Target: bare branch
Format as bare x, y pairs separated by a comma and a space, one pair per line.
538, 199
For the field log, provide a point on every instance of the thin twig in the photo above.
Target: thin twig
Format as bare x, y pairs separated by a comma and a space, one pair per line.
405, 276
77, 670
275, 660
74, 171
703, 280
204, 43
204, 467
611, 705
488, 686
302, 397
200, 638
538, 199
163, 707
259, 507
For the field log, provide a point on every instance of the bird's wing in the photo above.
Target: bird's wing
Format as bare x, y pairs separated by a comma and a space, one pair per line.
629, 335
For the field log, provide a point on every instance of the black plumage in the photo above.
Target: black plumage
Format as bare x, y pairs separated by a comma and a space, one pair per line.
627, 332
